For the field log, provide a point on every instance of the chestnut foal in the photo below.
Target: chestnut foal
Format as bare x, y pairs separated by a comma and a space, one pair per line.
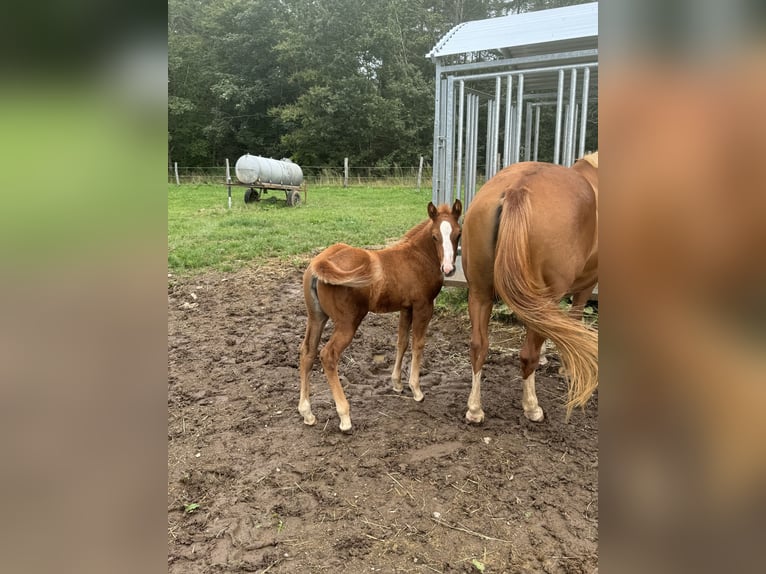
344, 283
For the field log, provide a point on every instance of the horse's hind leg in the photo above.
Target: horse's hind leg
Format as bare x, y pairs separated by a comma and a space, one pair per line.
421, 318
314, 327
579, 300
341, 337
479, 310
402, 340
530, 356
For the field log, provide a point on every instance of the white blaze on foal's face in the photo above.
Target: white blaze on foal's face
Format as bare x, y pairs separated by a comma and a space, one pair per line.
448, 254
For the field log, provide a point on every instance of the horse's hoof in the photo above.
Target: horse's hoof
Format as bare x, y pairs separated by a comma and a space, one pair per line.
475, 418
345, 425
310, 420
536, 415
418, 397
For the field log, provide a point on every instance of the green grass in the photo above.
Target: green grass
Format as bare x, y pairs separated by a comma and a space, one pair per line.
204, 234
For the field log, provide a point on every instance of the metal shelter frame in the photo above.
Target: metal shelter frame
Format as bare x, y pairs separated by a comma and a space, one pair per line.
508, 68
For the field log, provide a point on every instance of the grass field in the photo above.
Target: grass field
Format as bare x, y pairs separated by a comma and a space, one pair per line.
204, 234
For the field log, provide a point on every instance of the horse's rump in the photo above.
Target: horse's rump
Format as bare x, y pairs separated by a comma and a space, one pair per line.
518, 283
343, 264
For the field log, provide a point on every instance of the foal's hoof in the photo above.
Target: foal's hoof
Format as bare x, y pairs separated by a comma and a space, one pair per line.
475, 418
310, 420
419, 396
536, 415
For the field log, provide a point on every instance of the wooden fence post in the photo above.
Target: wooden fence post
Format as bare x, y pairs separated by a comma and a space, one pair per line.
345, 172
420, 172
228, 180
175, 168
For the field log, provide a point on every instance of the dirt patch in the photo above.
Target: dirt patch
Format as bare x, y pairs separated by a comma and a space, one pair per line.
413, 489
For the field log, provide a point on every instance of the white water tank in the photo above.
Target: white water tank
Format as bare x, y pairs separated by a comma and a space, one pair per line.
253, 169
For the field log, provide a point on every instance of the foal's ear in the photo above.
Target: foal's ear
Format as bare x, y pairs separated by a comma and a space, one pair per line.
457, 209
431, 210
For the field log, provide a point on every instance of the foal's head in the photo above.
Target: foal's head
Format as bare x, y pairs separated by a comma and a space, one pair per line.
445, 231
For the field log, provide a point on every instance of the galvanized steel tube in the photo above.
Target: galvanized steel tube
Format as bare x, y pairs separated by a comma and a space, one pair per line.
557, 135
584, 113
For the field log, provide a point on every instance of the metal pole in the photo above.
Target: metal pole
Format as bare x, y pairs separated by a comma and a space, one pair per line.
537, 131
571, 118
507, 127
435, 160
175, 169
528, 133
488, 150
420, 172
441, 192
584, 113
565, 136
574, 133
449, 133
468, 140
557, 135
459, 156
496, 126
475, 143
519, 111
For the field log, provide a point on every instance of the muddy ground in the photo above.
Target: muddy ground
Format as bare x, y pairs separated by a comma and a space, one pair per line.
413, 489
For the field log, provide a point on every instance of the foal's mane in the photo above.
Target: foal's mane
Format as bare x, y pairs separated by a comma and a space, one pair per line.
413, 233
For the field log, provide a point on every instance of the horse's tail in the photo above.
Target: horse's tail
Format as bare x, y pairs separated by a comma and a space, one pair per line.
535, 306
354, 271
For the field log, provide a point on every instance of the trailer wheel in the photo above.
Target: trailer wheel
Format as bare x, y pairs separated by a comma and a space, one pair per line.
252, 195
293, 199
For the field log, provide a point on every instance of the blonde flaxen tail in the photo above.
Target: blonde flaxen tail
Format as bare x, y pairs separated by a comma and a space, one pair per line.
534, 306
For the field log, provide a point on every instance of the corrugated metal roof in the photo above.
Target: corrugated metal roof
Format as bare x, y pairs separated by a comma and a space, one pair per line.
558, 29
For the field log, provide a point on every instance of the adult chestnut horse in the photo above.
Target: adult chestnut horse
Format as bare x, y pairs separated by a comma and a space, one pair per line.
531, 237
345, 283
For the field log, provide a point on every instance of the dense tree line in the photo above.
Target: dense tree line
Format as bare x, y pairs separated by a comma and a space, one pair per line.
314, 80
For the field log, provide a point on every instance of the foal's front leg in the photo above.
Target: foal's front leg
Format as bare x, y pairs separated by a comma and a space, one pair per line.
402, 340
420, 318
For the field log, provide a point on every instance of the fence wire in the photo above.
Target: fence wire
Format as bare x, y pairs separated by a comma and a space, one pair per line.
316, 175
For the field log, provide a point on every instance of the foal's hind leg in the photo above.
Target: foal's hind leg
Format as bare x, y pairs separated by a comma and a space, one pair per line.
341, 337
530, 355
402, 340
314, 327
